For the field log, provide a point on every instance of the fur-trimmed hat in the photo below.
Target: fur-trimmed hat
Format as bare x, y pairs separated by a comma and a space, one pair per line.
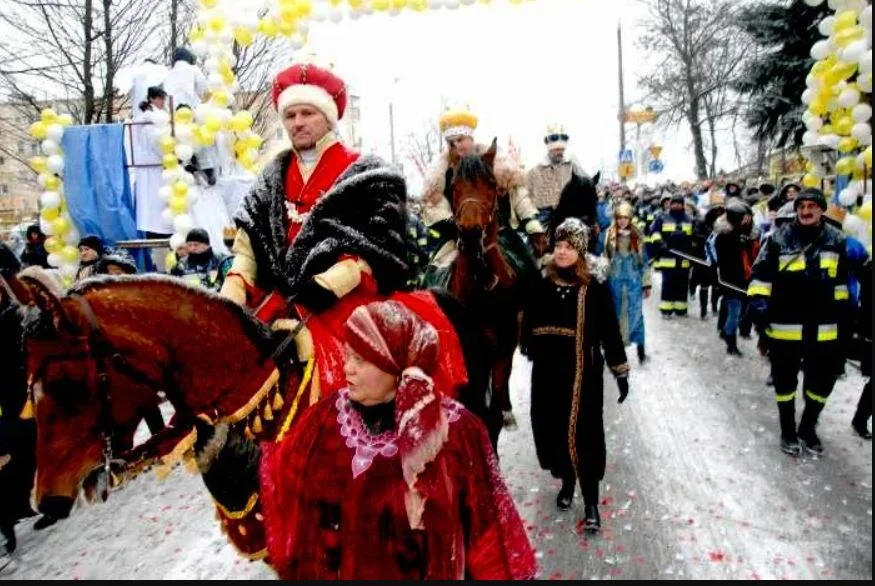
575, 233
457, 123
305, 83
93, 242
198, 235
119, 259
810, 194
556, 137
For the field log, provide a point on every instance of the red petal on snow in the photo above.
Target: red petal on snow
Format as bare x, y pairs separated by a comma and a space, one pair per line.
608, 500
619, 548
717, 556
690, 521
755, 576
166, 508
555, 576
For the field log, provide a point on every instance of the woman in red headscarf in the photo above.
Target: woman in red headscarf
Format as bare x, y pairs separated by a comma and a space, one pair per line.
386, 479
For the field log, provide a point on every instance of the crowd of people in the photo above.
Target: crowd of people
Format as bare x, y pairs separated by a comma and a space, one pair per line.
387, 476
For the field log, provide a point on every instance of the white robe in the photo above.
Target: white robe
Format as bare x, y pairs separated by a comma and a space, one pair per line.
147, 180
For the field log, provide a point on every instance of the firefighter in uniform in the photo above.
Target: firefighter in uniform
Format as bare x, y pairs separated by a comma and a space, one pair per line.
799, 292
672, 230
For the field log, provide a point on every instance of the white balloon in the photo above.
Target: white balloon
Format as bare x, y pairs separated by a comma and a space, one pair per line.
810, 138
829, 140
468, 2
50, 199
223, 114
814, 83
865, 62
865, 18
820, 50
41, 179
862, 112
853, 52
167, 216
814, 123
54, 259
50, 147
849, 98
55, 163
808, 96
176, 241
355, 13
55, 132
848, 196
865, 83
199, 47
68, 270
188, 178
320, 12
814, 2
184, 152
201, 113
211, 65
861, 131
451, 4
435, 4
826, 25
302, 27
215, 81
165, 192
72, 236
297, 41
182, 224
336, 14
226, 37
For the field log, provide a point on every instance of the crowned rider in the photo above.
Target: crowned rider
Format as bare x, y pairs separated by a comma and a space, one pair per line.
515, 208
546, 180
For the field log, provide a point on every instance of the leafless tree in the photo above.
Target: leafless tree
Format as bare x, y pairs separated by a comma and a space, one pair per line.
423, 147
699, 51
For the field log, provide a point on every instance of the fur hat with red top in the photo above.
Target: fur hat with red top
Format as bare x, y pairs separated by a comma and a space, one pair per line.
306, 83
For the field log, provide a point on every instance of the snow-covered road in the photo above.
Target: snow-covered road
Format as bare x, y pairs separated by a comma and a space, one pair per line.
696, 487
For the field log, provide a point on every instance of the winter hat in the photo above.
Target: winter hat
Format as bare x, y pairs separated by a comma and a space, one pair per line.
397, 341
678, 198
9, 263
736, 210
774, 203
575, 233
457, 123
787, 213
34, 231
786, 188
183, 54
120, 259
93, 242
731, 189
624, 210
198, 235
306, 83
767, 189
810, 194
556, 137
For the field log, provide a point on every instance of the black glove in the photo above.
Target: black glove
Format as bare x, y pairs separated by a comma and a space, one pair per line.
443, 230
315, 297
623, 385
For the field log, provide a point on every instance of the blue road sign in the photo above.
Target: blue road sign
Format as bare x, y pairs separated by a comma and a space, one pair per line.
656, 166
626, 156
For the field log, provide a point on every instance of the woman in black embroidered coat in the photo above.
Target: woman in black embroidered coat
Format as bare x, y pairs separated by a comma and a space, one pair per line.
569, 319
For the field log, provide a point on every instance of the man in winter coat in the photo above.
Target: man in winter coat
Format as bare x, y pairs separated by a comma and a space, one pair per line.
546, 180
201, 266
799, 291
672, 231
736, 252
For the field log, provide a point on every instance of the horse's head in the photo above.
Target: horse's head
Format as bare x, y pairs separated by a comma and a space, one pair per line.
84, 393
475, 195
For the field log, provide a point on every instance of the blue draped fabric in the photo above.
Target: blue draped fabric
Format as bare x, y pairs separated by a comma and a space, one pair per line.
97, 186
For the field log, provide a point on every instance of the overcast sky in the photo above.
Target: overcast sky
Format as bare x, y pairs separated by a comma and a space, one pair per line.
518, 67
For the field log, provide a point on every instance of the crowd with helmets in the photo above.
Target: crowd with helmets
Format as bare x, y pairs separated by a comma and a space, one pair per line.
403, 482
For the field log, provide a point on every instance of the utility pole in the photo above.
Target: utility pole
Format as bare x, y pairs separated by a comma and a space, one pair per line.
392, 131
622, 113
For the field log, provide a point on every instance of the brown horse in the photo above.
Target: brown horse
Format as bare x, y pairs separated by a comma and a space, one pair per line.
485, 285
103, 355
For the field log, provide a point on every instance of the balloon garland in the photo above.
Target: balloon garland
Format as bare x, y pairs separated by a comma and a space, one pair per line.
837, 96
55, 222
219, 24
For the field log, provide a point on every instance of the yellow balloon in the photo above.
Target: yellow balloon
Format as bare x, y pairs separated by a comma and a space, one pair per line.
844, 125
39, 130
288, 14
48, 116
66, 281
844, 20
305, 8
49, 214
212, 123
286, 27
170, 260
381, 5
220, 98
170, 161
167, 144
178, 205
38, 164
242, 121
845, 165
819, 68
53, 244
840, 72
865, 211
848, 36
209, 3
419, 5
208, 137
70, 253
183, 116
356, 3
267, 27
826, 129
859, 174
398, 4
65, 120
867, 156
246, 159
819, 106
60, 225
196, 34
52, 183
216, 24
810, 180
847, 144
180, 188
335, 2
228, 78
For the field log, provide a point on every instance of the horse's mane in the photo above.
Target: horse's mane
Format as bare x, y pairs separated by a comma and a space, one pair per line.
578, 199
472, 168
252, 327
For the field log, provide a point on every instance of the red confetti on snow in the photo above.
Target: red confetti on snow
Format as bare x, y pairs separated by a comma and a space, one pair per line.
555, 576
690, 521
717, 556
166, 507
600, 553
619, 549
639, 560
616, 571
755, 576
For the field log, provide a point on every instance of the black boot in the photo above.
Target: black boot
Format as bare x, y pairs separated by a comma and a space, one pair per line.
44, 521
864, 412
566, 494
7, 529
592, 522
807, 436
732, 345
787, 417
642, 356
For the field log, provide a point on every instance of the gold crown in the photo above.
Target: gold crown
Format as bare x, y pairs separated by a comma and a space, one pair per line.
555, 129
229, 233
457, 118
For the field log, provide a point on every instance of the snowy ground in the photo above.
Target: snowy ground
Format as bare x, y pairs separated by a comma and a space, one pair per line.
696, 487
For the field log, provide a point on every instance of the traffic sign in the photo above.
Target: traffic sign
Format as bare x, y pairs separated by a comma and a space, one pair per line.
655, 151
655, 166
626, 170
626, 156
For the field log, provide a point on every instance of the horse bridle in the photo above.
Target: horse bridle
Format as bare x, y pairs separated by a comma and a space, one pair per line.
490, 213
